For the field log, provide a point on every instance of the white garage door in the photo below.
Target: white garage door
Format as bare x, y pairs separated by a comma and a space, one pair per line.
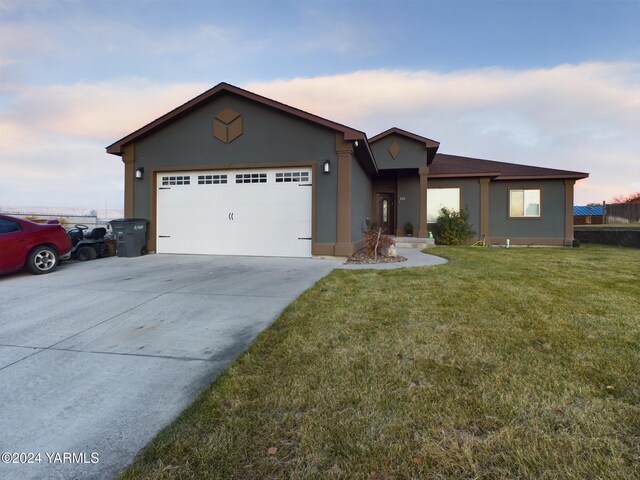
235, 212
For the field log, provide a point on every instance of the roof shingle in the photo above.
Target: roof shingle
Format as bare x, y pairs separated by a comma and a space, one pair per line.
456, 166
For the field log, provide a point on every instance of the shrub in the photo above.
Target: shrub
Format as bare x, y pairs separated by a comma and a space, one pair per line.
408, 228
453, 228
376, 240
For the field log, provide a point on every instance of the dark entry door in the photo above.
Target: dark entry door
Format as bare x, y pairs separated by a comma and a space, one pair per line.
385, 208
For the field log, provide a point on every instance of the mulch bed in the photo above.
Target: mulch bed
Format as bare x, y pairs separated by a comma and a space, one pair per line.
362, 257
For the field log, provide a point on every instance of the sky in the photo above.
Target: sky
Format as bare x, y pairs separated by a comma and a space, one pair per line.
539, 82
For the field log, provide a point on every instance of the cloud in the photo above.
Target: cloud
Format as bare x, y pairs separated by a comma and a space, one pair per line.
97, 111
575, 117
53, 139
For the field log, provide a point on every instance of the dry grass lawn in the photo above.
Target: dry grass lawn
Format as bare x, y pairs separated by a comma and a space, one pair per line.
502, 364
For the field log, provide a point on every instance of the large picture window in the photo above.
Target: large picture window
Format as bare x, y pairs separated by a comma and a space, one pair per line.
524, 203
438, 198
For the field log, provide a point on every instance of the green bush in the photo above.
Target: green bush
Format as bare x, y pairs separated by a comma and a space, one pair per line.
408, 228
453, 228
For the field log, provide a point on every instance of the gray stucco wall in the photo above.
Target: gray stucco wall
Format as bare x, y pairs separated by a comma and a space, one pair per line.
408, 199
469, 196
550, 225
269, 136
360, 199
413, 154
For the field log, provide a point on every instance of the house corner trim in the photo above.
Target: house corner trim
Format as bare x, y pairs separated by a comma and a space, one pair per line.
484, 207
568, 212
422, 227
344, 152
129, 160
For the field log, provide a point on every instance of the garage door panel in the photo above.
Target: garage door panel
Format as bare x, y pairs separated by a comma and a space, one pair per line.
249, 214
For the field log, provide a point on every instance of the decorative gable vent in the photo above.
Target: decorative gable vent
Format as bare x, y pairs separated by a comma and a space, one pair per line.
227, 125
394, 149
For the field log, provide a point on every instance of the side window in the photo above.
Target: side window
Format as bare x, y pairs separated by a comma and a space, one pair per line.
438, 198
8, 226
524, 203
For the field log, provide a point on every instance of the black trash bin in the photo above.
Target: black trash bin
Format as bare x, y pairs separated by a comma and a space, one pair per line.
131, 236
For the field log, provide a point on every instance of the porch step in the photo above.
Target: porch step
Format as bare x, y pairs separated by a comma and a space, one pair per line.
414, 242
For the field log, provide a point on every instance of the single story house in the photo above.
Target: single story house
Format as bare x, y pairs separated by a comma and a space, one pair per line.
588, 215
234, 173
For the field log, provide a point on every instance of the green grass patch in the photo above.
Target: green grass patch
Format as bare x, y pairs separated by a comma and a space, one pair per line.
501, 364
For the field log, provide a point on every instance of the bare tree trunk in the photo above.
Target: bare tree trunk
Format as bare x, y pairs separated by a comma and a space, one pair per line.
375, 250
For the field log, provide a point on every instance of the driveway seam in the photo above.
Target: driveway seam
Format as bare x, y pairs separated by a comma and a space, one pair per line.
167, 357
175, 291
81, 331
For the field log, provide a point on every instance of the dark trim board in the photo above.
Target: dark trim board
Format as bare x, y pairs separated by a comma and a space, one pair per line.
329, 249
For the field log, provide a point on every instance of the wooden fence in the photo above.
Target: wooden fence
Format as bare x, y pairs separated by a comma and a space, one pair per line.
623, 212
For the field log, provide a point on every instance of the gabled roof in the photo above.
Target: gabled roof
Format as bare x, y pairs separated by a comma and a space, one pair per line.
430, 145
350, 134
587, 211
450, 166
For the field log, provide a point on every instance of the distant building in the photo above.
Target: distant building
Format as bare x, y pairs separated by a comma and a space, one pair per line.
65, 215
587, 215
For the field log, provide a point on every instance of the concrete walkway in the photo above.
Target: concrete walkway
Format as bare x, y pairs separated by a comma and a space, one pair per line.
97, 357
415, 258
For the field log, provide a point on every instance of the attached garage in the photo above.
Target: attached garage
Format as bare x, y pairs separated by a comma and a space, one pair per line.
265, 212
234, 173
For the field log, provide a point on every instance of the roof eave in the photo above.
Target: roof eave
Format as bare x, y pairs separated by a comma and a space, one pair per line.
464, 175
349, 133
428, 143
571, 176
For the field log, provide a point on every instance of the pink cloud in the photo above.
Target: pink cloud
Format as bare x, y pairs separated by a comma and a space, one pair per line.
576, 117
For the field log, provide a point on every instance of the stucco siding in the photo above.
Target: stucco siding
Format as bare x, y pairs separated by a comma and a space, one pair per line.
269, 136
360, 199
408, 199
551, 224
412, 153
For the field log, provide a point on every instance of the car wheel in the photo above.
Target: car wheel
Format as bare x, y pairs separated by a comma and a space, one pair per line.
86, 253
42, 259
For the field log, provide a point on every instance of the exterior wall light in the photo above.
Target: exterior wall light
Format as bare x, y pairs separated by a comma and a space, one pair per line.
139, 173
326, 166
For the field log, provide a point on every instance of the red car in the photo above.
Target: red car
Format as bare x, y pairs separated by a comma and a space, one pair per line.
36, 246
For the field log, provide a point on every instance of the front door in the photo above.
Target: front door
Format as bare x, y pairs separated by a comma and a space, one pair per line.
385, 208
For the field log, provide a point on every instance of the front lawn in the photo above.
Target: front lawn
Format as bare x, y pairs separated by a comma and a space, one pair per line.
518, 363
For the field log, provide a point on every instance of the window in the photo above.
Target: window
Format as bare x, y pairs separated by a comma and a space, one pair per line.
524, 203
177, 180
438, 198
251, 178
292, 177
8, 226
211, 179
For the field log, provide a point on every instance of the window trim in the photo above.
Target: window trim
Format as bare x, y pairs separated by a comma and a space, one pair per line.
244, 178
524, 217
291, 177
442, 188
173, 180
212, 179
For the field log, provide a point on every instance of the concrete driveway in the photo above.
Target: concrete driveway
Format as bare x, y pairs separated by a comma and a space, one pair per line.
97, 357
